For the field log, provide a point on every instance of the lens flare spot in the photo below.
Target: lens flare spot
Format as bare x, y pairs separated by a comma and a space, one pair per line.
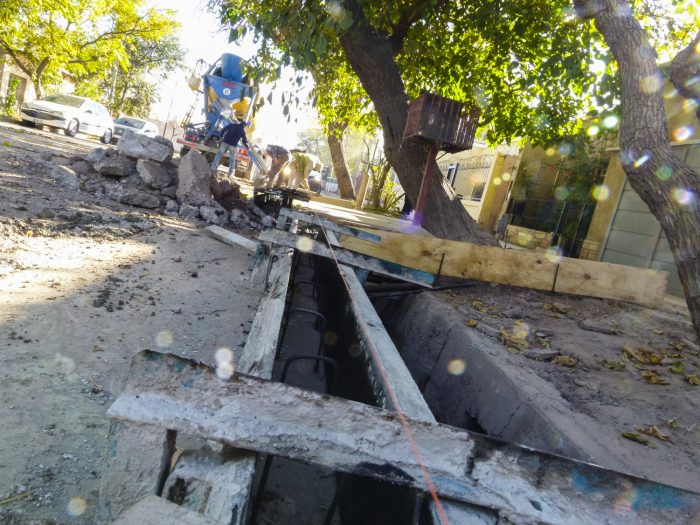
496, 181
683, 197
651, 83
335, 10
304, 244
354, 350
456, 367
224, 363
600, 192
330, 338
664, 173
561, 193
682, 133
592, 131
550, 151
689, 105
641, 160
611, 121
553, 254
164, 338
76, 506
506, 177
566, 149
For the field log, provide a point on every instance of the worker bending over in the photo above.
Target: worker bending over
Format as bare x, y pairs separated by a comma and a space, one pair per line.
280, 158
231, 135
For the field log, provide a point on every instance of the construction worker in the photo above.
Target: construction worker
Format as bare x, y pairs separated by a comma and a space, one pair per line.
301, 166
231, 135
280, 158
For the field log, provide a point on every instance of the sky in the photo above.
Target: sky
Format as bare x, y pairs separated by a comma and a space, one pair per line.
201, 35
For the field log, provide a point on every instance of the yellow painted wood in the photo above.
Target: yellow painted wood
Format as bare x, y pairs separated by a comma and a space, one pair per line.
514, 267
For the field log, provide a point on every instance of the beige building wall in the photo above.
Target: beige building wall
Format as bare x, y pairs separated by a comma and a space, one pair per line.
483, 178
7, 68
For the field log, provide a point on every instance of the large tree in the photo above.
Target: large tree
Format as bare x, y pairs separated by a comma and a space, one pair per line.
44, 38
496, 54
667, 184
528, 64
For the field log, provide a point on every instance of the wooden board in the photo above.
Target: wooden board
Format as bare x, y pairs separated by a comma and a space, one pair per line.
517, 268
158, 511
330, 225
371, 263
463, 260
231, 238
526, 485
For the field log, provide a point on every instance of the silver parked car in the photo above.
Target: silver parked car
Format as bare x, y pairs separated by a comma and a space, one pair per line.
136, 125
70, 113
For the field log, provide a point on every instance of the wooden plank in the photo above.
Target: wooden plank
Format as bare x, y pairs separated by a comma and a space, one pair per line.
517, 268
137, 462
384, 361
611, 281
259, 350
153, 510
523, 484
373, 264
463, 260
231, 238
330, 225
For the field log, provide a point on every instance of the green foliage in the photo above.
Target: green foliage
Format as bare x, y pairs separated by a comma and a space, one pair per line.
84, 37
9, 104
314, 141
532, 66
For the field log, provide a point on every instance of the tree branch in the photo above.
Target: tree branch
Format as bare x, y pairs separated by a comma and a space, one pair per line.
409, 16
685, 72
15, 58
109, 34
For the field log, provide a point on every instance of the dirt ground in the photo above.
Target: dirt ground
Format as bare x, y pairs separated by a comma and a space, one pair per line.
85, 283
632, 369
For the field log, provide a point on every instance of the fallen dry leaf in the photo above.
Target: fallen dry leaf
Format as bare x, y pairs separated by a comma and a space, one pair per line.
565, 360
472, 322
693, 379
612, 365
653, 378
639, 439
677, 368
478, 306
653, 431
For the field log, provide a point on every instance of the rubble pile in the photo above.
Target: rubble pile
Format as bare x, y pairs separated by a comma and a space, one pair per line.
142, 172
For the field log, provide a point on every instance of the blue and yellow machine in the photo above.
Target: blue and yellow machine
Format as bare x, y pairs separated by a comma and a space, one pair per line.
227, 96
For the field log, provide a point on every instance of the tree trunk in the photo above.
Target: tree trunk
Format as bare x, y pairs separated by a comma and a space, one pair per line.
378, 186
340, 167
666, 184
38, 86
370, 54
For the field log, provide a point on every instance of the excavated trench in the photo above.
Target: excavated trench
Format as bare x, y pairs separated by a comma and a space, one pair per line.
319, 321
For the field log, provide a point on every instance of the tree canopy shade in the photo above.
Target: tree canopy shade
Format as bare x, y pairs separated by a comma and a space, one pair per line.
84, 37
496, 54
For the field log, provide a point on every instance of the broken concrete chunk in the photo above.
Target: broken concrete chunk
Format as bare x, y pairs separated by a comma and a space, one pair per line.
222, 186
81, 167
170, 191
114, 165
239, 218
171, 208
214, 214
267, 221
134, 197
193, 180
65, 177
143, 147
542, 355
96, 155
188, 212
597, 326
153, 174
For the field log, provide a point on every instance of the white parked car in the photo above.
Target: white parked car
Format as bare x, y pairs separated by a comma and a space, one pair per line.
137, 125
70, 113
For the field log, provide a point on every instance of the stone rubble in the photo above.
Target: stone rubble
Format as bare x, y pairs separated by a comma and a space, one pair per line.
142, 172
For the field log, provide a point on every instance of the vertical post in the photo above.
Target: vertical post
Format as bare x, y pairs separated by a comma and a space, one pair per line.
361, 192
425, 185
